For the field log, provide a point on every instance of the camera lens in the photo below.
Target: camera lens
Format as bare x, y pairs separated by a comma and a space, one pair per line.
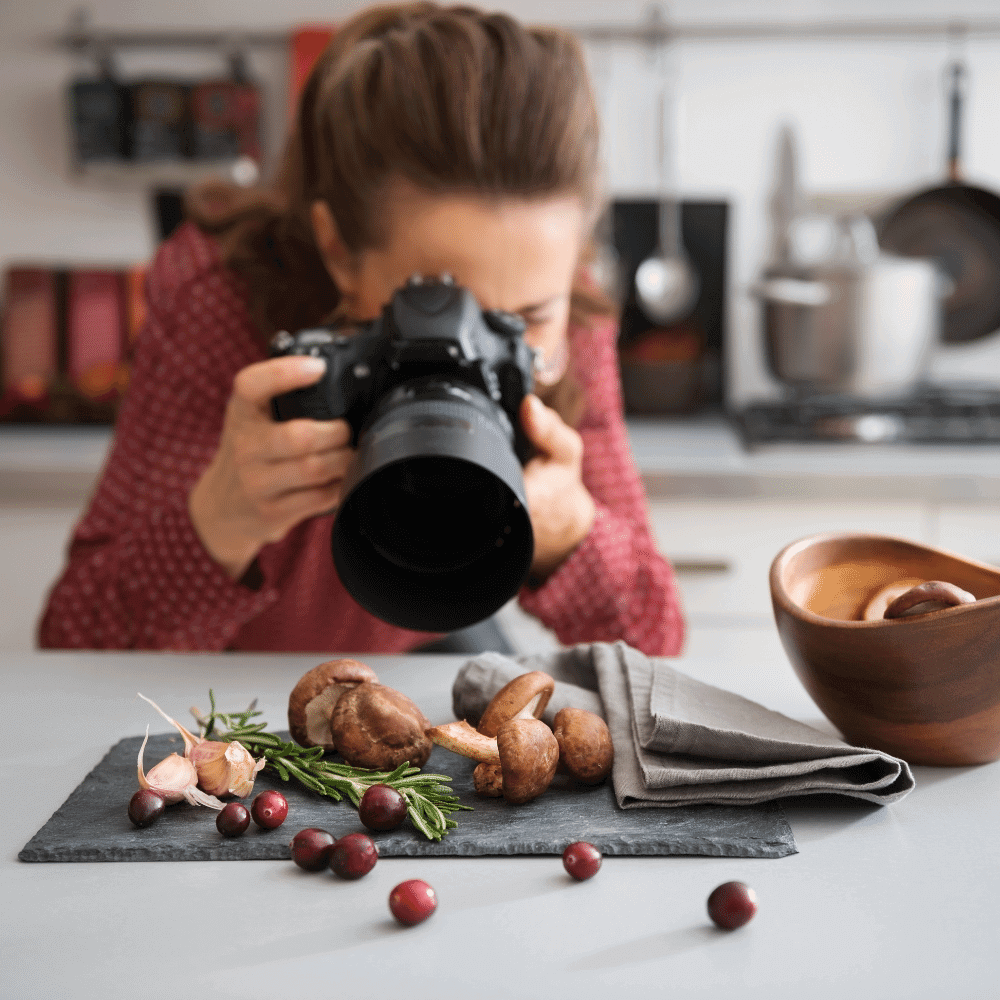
433, 533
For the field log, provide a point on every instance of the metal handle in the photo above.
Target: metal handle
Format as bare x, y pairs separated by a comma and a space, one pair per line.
955, 123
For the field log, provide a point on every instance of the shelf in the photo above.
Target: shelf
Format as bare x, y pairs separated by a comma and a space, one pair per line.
166, 173
654, 29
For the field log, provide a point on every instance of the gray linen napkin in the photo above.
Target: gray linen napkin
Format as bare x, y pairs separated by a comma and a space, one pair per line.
679, 741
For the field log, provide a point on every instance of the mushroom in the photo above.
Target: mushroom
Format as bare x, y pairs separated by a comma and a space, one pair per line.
375, 726
585, 749
461, 738
520, 762
311, 703
524, 697
529, 756
875, 608
934, 595
487, 779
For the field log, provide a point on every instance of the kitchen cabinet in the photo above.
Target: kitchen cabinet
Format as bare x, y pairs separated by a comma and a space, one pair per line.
723, 549
33, 541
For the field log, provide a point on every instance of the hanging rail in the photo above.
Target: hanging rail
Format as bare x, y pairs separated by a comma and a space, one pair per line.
653, 30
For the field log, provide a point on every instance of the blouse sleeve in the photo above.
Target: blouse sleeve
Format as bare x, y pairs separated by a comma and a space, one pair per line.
615, 584
138, 576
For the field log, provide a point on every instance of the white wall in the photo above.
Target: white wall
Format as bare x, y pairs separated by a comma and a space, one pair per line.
869, 115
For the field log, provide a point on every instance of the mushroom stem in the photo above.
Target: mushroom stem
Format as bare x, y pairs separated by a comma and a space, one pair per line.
461, 738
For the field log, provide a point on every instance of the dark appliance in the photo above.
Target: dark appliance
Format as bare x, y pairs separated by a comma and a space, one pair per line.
931, 415
676, 368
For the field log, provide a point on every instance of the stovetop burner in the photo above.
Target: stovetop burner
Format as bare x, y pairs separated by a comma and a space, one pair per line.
932, 415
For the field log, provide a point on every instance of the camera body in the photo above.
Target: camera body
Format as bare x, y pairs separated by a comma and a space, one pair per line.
433, 531
432, 333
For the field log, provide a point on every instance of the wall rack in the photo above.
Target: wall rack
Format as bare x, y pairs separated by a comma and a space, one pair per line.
652, 30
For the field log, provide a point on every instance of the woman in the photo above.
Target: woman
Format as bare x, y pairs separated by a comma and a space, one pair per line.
428, 140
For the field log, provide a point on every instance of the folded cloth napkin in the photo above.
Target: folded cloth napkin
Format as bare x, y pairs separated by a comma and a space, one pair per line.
679, 741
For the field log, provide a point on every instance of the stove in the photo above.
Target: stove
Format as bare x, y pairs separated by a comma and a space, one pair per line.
931, 415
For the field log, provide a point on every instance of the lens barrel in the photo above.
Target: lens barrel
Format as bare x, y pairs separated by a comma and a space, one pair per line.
433, 533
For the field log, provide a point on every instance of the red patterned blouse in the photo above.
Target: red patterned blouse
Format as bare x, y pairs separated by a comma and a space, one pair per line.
139, 578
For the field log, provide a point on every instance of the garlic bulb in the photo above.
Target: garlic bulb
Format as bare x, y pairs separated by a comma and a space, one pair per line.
222, 768
174, 778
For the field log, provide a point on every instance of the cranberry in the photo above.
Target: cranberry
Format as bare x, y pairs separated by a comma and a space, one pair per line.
311, 848
382, 808
412, 902
146, 807
353, 855
269, 810
233, 820
732, 905
582, 860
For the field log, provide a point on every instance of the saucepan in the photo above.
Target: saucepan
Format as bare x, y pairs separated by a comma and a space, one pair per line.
862, 323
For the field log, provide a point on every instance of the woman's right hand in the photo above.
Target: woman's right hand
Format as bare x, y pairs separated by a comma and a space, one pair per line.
266, 475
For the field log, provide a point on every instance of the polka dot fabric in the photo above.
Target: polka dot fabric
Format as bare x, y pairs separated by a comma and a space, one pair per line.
138, 576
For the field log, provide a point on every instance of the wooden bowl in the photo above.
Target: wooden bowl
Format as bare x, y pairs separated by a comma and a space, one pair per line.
925, 688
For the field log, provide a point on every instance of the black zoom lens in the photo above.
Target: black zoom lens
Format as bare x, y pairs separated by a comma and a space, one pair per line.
433, 533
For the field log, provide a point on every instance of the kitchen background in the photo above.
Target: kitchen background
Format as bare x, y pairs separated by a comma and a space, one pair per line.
868, 116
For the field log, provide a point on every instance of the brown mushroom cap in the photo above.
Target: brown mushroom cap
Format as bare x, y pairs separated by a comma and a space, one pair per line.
529, 755
585, 748
375, 726
934, 595
487, 779
524, 697
311, 703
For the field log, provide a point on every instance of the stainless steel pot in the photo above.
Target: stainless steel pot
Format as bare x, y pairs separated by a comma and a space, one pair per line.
863, 324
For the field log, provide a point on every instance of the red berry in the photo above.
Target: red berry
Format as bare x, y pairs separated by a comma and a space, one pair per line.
732, 905
582, 860
382, 808
146, 806
311, 848
412, 902
233, 820
353, 855
269, 810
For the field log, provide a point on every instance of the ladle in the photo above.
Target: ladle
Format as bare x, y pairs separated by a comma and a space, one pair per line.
666, 283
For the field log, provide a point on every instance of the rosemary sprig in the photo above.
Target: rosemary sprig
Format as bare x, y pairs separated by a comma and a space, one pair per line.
429, 800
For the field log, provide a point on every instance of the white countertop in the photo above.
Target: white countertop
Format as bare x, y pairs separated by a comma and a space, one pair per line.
680, 457
894, 902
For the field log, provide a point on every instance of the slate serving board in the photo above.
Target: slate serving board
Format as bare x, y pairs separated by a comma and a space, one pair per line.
92, 824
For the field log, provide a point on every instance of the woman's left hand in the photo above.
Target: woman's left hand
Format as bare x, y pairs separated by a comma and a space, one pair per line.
561, 509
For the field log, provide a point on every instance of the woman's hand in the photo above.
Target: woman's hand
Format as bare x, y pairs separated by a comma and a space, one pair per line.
267, 476
561, 509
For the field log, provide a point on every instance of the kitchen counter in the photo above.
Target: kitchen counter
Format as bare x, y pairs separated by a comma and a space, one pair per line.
893, 902
699, 456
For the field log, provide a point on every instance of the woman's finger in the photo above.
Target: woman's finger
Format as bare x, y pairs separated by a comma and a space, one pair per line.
256, 385
284, 512
298, 438
547, 431
272, 479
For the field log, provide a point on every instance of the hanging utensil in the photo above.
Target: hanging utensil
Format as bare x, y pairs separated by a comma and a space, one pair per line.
667, 283
959, 225
605, 265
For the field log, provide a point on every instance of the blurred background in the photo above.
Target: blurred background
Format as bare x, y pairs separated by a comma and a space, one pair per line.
816, 182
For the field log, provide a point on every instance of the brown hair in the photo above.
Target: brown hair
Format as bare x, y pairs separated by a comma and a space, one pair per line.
450, 98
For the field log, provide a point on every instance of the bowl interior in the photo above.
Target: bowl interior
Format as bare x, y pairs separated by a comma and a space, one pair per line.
835, 576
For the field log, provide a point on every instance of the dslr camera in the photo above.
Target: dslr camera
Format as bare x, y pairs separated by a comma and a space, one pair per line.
433, 531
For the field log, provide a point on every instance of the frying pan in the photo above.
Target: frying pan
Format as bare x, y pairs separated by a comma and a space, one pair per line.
958, 224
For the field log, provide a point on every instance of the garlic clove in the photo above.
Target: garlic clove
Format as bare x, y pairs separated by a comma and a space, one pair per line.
174, 778
225, 768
